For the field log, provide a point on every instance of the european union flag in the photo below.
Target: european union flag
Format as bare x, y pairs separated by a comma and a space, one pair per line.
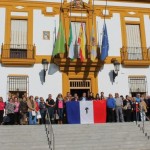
105, 43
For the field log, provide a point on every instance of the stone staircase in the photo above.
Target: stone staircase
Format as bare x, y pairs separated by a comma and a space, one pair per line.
109, 136
23, 137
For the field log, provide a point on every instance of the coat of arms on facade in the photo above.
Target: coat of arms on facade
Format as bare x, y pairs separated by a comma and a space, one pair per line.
77, 4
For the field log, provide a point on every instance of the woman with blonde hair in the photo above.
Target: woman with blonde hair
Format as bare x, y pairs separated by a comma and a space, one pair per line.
143, 109
31, 110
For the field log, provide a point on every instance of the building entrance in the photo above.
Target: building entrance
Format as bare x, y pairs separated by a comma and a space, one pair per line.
79, 92
80, 87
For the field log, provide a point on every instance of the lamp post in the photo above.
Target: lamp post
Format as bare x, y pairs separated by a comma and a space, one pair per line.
45, 68
116, 69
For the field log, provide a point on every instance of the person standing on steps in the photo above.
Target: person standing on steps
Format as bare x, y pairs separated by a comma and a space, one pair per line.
32, 110
50, 104
119, 106
110, 108
2, 107
60, 108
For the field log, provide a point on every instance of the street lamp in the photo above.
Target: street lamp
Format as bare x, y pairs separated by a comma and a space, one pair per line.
45, 68
116, 69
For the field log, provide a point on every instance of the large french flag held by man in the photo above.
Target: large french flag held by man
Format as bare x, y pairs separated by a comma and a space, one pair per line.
86, 112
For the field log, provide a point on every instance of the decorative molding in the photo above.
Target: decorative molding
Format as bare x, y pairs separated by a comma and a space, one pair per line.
132, 13
22, 14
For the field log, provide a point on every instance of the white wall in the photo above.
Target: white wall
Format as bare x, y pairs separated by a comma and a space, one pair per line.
52, 85
2, 25
134, 4
42, 23
121, 84
114, 33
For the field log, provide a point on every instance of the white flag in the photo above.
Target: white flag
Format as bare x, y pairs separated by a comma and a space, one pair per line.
86, 112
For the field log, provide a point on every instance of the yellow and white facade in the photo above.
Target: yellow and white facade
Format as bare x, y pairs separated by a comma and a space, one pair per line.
28, 30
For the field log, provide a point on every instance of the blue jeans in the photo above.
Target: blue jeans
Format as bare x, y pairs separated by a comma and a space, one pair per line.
60, 113
32, 119
51, 112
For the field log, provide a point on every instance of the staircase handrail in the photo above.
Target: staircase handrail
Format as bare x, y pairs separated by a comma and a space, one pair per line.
50, 132
143, 121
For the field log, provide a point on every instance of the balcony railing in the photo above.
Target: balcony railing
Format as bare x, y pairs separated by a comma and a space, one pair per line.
135, 54
16, 51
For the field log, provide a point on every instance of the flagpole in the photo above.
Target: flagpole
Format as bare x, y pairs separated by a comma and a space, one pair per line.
105, 42
93, 13
60, 11
105, 11
70, 11
54, 34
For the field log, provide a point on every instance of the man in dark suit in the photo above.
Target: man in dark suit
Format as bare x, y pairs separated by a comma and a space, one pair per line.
75, 98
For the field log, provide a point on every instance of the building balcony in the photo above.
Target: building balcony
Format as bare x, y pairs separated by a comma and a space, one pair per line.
18, 55
76, 65
135, 56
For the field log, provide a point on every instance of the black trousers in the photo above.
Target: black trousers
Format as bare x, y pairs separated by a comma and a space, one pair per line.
128, 115
11, 117
1, 116
17, 118
42, 120
110, 115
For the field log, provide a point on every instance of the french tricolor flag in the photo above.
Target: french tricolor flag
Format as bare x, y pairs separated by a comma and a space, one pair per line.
86, 112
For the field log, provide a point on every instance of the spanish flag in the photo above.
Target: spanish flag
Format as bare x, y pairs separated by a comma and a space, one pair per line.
81, 43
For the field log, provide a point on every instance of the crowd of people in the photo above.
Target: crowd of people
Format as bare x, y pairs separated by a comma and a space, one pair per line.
32, 110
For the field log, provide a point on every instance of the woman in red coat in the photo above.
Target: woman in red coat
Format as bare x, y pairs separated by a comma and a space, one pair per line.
2, 106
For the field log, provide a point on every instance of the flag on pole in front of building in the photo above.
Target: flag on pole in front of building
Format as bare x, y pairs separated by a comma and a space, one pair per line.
105, 43
70, 44
86, 112
81, 43
60, 41
93, 45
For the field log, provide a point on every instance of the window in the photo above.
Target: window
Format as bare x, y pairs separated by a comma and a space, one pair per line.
18, 44
80, 87
134, 48
137, 84
18, 85
80, 84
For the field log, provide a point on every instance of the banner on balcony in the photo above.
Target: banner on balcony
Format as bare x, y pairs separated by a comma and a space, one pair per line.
87, 112
60, 41
81, 43
105, 43
70, 44
93, 45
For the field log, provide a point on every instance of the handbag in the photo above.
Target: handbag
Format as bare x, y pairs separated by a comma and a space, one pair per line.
38, 115
6, 119
125, 107
56, 116
33, 113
